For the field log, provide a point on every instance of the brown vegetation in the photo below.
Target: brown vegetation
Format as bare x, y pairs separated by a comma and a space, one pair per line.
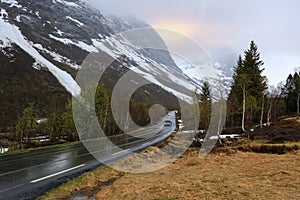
287, 129
225, 174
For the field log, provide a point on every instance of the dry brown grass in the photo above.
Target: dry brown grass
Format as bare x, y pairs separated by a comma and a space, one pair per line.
222, 175
239, 176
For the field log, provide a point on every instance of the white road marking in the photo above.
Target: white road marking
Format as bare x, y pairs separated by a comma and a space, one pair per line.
121, 152
17, 186
58, 173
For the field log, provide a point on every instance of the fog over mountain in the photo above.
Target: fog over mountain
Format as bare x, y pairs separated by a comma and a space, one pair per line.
225, 29
44, 42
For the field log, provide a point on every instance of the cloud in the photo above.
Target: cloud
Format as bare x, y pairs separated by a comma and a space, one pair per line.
226, 26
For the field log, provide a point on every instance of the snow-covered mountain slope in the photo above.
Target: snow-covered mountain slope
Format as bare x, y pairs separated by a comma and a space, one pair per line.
58, 35
11, 34
43, 44
55, 28
213, 73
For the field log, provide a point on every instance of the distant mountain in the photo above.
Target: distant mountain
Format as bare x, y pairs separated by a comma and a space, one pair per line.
44, 42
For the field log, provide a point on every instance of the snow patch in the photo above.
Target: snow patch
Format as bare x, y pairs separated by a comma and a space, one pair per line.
18, 18
149, 69
12, 34
59, 32
13, 3
3, 13
67, 3
57, 57
197, 72
104, 48
101, 36
80, 44
37, 13
3, 150
79, 24
5, 42
37, 65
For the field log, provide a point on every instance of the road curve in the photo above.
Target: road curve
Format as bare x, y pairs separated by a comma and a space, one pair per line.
29, 175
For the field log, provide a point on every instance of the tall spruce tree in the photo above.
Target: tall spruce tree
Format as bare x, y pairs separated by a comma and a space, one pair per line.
205, 92
297, 91
288, 93
291, 92
249, 84
205, 106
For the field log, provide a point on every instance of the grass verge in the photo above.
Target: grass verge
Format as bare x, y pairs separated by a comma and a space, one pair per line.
227, 173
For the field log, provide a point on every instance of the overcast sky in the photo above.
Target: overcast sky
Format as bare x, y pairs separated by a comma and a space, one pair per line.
225, 28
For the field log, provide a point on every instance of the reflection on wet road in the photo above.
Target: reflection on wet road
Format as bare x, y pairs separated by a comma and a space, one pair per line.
28, 175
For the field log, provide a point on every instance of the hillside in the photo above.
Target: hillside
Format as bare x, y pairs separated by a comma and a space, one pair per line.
43, 44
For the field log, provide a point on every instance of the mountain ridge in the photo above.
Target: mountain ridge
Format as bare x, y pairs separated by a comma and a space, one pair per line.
52, 42
59, 35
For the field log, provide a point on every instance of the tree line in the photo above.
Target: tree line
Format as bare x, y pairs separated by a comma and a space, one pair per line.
251, 101
59, 124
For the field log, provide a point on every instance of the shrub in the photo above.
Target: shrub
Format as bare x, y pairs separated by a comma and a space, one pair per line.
270, 149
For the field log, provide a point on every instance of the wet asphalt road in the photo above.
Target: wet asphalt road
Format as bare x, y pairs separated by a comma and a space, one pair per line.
31, 174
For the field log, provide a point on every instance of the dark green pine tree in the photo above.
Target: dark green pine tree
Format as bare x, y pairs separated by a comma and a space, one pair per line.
252, 65
297, 91
205, 106
288, 92
238, 83
249, 85
205, 92
291, 92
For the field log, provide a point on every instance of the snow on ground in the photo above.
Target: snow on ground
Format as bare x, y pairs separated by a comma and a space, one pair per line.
59, 32
18, 18
113, 46
100, 45
3, 150
67, 3
4, 41
79, 24
11, 34
181, 80
3, 13
57, 57
13, 3
37, 13
80, 44
211, 72
197, 72
148, 69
